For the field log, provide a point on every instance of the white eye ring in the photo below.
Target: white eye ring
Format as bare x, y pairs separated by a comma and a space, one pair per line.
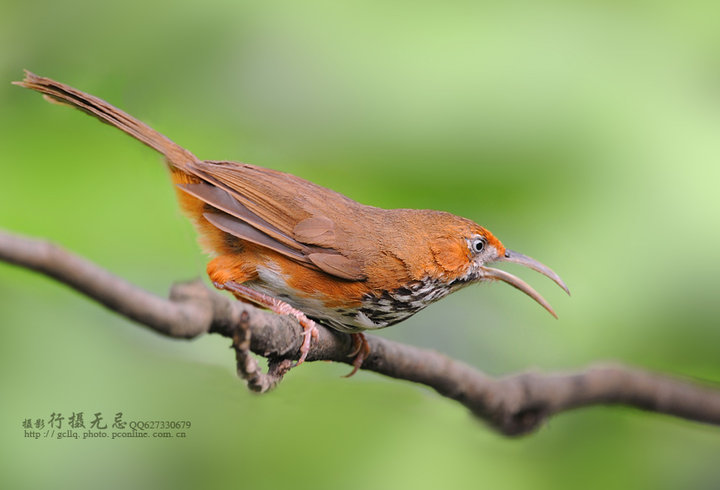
477, 245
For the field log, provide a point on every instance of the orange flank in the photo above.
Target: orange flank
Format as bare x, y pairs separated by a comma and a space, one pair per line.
333, 293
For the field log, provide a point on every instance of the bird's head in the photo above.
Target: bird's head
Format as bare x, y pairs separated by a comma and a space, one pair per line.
466, 253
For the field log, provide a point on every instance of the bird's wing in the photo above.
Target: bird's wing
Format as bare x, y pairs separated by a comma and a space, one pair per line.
276, 210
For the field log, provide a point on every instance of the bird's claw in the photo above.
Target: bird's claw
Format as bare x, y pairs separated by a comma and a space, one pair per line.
360, 350
310, 331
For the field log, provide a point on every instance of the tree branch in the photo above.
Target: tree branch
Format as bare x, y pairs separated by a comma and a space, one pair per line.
513, 405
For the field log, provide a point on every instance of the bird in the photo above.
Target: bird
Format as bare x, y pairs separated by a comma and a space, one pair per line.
299, 249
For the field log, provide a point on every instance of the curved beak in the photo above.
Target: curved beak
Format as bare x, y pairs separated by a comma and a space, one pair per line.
516, 282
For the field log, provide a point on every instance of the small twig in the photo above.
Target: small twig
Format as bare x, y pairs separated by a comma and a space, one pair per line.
247, 366
513, 405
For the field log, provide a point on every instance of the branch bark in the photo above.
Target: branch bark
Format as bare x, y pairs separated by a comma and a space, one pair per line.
513, 405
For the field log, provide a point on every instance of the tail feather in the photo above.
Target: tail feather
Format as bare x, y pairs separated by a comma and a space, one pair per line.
66, 95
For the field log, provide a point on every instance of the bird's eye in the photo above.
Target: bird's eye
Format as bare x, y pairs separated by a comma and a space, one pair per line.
477, 245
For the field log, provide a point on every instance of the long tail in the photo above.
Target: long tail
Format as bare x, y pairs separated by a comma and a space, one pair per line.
66, 95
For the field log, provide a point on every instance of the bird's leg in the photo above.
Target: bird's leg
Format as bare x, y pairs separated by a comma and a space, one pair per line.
280, 307
361, 349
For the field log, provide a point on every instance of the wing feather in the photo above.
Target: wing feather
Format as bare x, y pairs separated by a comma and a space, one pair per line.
244, 231
318, 230
277, 211
338, 265
222, 200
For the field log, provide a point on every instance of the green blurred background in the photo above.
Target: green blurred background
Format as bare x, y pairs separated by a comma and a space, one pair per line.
584, 135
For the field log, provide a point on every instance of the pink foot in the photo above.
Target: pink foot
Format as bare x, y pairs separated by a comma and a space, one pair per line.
310, 331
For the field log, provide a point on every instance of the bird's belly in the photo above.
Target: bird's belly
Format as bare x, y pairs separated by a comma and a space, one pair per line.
349, 320
374, 311
344, 318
